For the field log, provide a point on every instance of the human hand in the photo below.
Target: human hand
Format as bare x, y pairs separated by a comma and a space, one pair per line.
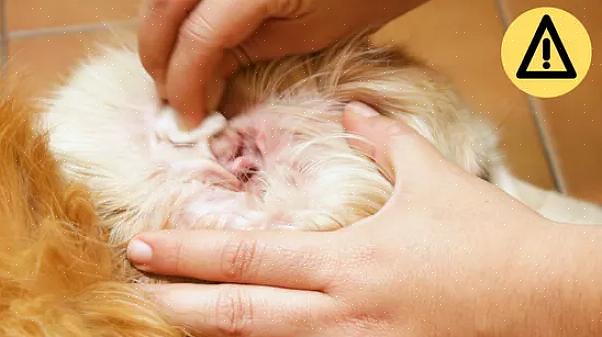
449, 254
190, 46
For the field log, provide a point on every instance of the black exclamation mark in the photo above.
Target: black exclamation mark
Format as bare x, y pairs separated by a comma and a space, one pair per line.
546, 53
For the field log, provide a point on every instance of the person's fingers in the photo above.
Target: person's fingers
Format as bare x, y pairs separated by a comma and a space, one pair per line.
213, 27
399, 150
242, 310
158, 33
278, 38
298, 260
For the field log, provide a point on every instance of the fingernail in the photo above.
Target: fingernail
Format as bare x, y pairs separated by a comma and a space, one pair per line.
139, 252
361, 109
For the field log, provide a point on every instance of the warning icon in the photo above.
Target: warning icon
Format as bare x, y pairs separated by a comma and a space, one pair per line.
546, 52
546, 26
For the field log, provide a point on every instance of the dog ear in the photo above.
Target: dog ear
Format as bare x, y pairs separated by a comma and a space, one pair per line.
386, 78
399, 86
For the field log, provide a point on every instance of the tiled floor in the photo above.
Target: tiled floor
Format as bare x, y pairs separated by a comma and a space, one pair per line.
45, 14
552, 143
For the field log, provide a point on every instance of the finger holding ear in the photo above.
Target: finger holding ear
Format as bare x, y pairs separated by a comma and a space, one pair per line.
405, 156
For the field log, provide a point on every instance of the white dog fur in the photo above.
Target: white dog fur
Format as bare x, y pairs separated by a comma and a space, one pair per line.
283, 162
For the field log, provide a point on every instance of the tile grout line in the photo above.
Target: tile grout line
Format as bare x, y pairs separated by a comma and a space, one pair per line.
3, 36
84, 28
536, 109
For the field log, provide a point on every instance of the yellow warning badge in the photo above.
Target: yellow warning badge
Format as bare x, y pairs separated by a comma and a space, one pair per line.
546, 52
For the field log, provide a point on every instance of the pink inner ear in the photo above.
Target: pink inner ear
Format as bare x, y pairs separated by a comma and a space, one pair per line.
225, 145
238, 152
261, 142
208, 172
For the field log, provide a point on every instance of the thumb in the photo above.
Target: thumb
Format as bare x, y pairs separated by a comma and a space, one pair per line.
400, 152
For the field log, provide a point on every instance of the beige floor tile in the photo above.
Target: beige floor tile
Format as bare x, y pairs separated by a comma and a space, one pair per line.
42, 63
462, 39
35, 14
574, 121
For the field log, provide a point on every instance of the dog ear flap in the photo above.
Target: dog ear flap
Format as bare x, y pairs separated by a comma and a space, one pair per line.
386, 78
400, 87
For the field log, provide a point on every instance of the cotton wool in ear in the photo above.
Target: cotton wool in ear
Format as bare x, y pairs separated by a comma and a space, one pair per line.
169, 128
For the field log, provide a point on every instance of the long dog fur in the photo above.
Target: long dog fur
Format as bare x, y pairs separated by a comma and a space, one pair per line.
57, 274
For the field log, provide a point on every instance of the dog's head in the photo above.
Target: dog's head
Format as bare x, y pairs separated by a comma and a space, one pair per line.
281, 162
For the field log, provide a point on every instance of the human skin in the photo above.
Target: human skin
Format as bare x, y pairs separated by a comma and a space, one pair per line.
448, 255
190, 47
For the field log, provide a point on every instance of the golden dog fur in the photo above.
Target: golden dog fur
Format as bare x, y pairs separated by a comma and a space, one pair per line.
57, 272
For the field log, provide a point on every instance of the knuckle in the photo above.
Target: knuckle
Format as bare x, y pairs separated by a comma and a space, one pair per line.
233, 312
366, 326
288, 8
197, 28
393, 128
239, 258
178, 256
360, 320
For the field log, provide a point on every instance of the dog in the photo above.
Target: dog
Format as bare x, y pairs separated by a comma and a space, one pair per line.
107, 160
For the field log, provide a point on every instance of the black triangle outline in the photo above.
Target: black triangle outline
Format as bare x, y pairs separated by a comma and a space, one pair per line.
570, 73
